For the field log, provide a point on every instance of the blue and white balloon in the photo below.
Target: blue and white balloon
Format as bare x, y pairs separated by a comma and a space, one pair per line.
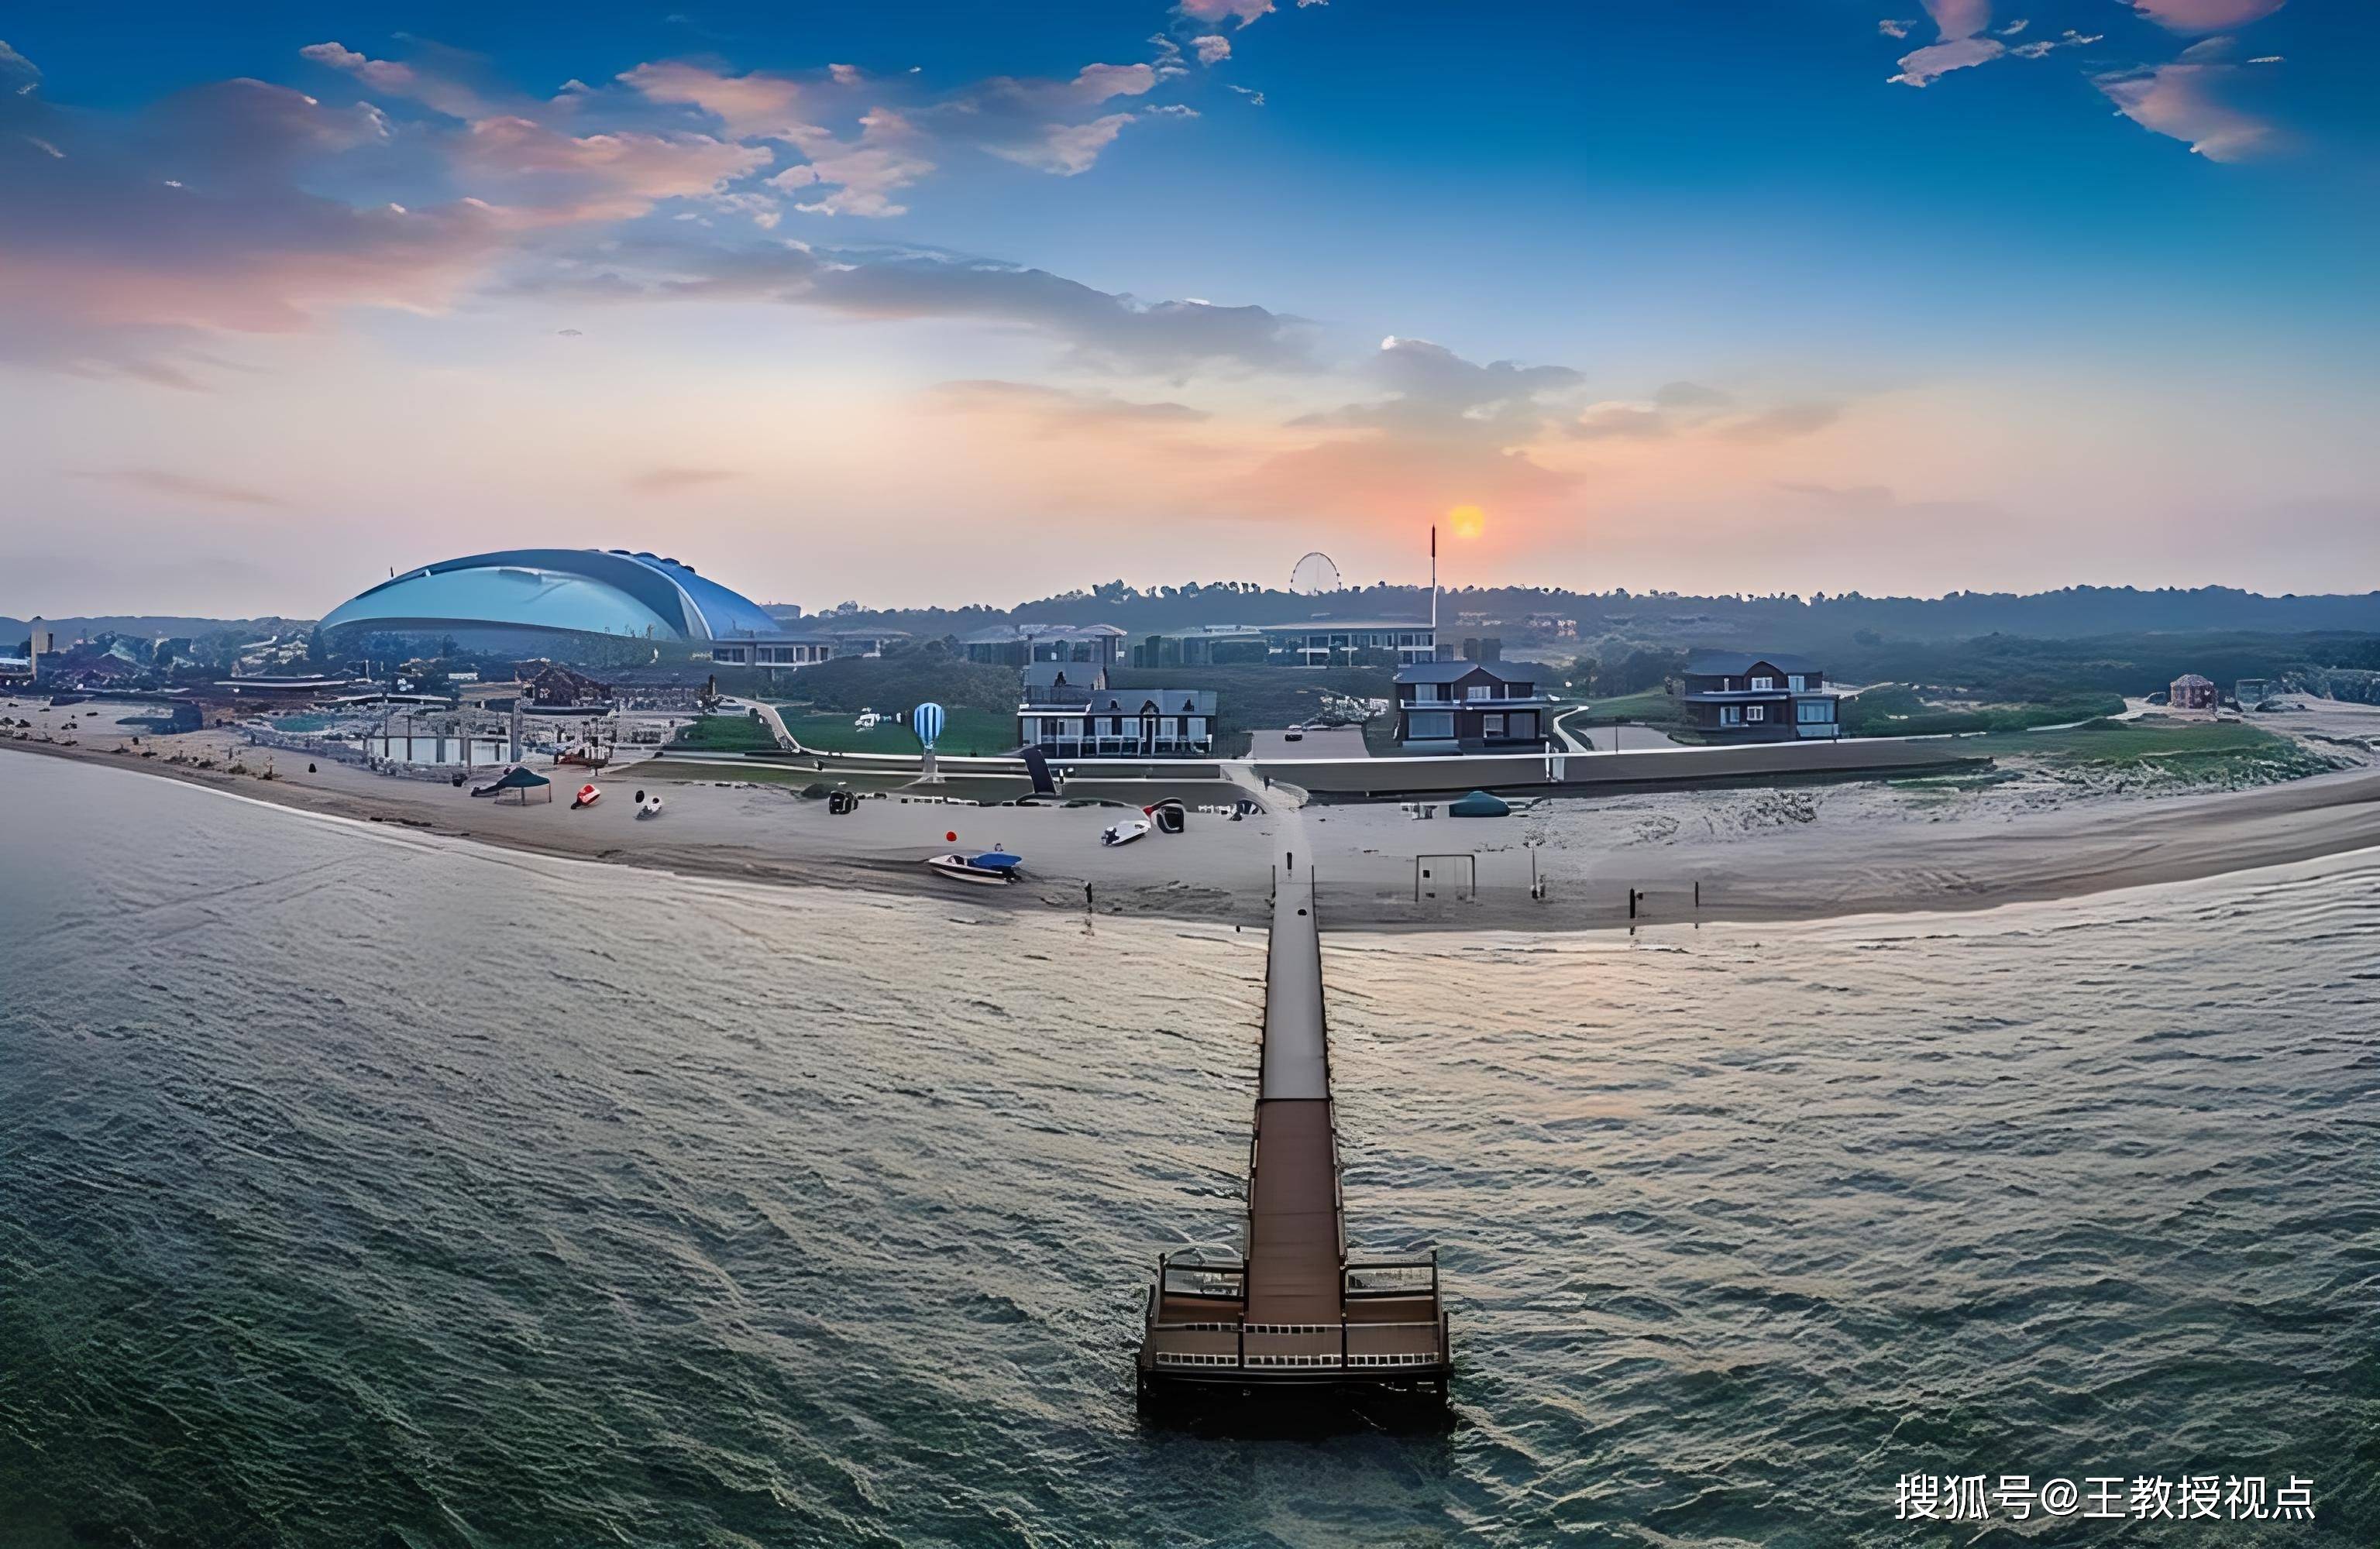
927, 721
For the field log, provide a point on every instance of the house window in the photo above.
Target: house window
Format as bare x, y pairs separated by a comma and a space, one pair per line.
1755, 712
1793, 680
1814, 712
1429, 725
1492, 726
1479, 691
1761, 684
1731, 714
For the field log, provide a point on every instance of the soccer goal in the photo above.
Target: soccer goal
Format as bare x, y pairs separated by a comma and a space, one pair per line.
1455, 875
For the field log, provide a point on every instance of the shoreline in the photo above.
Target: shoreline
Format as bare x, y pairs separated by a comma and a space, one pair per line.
1365, 856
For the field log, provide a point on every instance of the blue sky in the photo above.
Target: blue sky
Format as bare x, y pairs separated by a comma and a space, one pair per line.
2088, 277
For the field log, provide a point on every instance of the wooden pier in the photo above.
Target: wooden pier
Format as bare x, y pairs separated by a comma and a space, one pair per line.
1291, 1310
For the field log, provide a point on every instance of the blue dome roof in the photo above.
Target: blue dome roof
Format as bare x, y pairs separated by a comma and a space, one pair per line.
588, 591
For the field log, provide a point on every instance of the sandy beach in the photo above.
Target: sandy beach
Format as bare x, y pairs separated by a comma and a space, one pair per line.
1792, 851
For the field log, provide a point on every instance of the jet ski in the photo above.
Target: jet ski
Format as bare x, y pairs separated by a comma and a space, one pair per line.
1124, 832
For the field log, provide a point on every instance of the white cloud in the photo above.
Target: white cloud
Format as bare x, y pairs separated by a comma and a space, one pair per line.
1066, 149
391, 77
1213, 49
888, 155
1215, 10
1960, 43
1930, 64
1956, 45
15, 67
756, 103
1893, 28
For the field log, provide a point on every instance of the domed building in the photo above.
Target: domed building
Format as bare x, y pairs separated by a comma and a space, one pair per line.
611, 593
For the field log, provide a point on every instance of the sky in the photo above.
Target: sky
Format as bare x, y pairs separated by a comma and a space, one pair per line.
942, 303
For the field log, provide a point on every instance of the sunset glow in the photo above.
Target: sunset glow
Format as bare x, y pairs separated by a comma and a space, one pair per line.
828, 297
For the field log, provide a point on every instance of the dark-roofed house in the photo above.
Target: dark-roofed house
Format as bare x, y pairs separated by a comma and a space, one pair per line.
1044, 675
551, 687
1088, 720
1466, 706
1738, 697
2191, 692
1019, 644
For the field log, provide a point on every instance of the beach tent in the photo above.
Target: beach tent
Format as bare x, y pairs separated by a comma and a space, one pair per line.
518, 778
1479, 804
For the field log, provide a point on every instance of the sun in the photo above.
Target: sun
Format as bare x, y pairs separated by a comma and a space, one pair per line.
1468, 521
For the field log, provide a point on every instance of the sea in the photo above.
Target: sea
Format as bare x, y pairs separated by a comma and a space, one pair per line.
364, 1188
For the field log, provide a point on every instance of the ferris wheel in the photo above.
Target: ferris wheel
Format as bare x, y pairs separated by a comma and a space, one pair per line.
1314, 574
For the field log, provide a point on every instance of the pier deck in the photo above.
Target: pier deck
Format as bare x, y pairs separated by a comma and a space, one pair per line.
1291, 1309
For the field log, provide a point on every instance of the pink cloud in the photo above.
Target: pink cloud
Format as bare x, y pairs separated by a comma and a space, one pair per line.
1959, 18
2185, 102
106, 267
2205, 16
599, 176
673, 482
1213, 49
184, 487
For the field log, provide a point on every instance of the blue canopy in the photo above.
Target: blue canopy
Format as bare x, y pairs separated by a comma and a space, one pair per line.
998, 860
1479, 804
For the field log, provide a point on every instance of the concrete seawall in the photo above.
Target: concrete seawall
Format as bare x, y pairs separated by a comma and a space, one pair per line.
1585, 773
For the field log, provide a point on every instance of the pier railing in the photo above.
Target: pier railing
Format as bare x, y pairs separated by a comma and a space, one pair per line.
1390, 1278
1218, 1336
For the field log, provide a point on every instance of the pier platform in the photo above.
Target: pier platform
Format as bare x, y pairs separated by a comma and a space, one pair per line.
1291, 1310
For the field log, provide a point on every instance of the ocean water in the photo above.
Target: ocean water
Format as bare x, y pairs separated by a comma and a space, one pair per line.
362, 1188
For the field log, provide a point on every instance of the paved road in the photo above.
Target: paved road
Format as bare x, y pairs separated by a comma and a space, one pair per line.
770, 718
1607, 739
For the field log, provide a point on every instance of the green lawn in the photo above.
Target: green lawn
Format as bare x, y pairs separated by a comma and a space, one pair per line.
1895, 711
2221, 753
1652, 707
968, 733
725, 734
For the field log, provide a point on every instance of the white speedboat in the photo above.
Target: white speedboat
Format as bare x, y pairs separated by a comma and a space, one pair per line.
995, 868
1125, 832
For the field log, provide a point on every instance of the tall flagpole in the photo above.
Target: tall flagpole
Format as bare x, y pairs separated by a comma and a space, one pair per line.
1433, 592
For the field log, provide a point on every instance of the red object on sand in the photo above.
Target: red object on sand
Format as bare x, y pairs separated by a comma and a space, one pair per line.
951, 838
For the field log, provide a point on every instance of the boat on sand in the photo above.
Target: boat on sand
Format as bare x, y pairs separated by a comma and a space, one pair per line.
994, 868
587, 796
1125, 832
